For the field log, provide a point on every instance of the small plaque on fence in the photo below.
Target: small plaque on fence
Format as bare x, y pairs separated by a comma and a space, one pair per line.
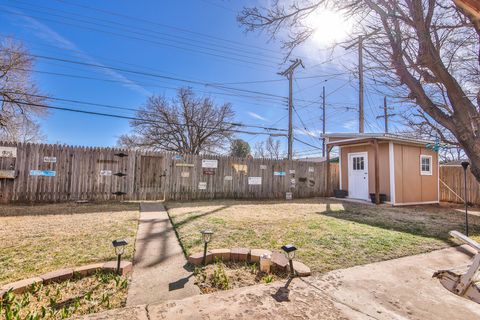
263, 167
208, 171
50, 159
43, 173
288, 196
8, 152
240, 168
311, 169
279, 173
209, 163
254, 180
7, 174
106, 173
185, 174
202, 185
228, 178
184, 165
292, 171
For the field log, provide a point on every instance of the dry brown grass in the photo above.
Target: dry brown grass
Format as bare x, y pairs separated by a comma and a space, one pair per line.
329, 234
42, 238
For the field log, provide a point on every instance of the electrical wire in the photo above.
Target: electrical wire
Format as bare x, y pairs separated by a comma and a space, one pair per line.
131, 109
37, 105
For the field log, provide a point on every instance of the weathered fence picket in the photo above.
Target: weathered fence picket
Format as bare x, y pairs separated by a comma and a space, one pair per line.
53, 173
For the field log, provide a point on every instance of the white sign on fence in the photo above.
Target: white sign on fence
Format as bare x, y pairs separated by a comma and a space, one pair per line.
228, 178
263, 167
311, 169
185, 174
292, 171
254, 180
106, 173
202, 185
209, 163
288, 196
50, 159
8, 152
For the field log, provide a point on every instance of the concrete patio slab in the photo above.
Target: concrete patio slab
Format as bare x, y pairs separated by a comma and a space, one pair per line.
396, 289
159, 264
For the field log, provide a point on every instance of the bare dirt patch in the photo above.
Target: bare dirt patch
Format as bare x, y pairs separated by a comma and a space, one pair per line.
230, 275
329, 234
61, 235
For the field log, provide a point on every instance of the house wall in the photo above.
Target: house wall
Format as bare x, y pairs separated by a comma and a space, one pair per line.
410, 185
384, 167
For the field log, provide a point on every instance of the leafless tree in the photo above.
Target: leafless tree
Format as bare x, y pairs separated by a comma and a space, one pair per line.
424, 52
420, 125
185, 124
24, 131
17, 92
269, 148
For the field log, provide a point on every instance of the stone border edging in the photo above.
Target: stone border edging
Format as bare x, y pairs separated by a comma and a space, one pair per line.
278, 260
65, 274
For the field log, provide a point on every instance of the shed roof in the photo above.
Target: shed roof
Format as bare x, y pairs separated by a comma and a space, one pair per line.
361, 137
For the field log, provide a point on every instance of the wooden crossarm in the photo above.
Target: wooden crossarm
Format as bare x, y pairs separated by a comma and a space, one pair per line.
460, 236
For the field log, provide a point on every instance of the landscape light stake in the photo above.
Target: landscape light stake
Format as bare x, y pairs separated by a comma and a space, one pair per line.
289, 250
465, 165
119, 246
206, 236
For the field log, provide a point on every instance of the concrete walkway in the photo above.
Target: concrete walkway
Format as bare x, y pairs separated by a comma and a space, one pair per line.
396, 289
158, 262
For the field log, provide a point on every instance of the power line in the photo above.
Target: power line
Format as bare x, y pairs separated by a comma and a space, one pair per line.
307, 144
154, 75
134, 110
235, 95
123, 35
163, 25
120, 116
153, 33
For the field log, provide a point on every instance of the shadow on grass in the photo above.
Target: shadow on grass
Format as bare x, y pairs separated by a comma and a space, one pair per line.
412, 220
64, 208
197, 216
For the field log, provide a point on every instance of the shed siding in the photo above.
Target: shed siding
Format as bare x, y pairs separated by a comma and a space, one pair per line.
410, 185
384, 167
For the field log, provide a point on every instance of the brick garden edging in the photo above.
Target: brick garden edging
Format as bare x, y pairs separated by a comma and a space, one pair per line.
65, 274
278, 260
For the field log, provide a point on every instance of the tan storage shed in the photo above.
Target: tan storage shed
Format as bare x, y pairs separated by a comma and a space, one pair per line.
401, 168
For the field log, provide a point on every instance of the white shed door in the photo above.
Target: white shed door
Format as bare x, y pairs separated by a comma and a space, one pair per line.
358, 175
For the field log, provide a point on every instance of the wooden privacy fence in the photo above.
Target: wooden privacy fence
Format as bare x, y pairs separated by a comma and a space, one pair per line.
452, 185
52, 173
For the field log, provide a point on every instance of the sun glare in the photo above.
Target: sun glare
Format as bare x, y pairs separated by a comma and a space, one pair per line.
329, 27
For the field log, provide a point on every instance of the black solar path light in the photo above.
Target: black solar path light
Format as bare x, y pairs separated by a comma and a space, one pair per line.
206, 237
289, 250
119, 246
465, 165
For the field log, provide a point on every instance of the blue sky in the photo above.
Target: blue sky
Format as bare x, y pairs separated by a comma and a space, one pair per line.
193, 40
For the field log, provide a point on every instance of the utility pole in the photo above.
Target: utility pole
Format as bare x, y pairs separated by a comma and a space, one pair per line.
361, 113
289, 74
386, 115
323, 121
